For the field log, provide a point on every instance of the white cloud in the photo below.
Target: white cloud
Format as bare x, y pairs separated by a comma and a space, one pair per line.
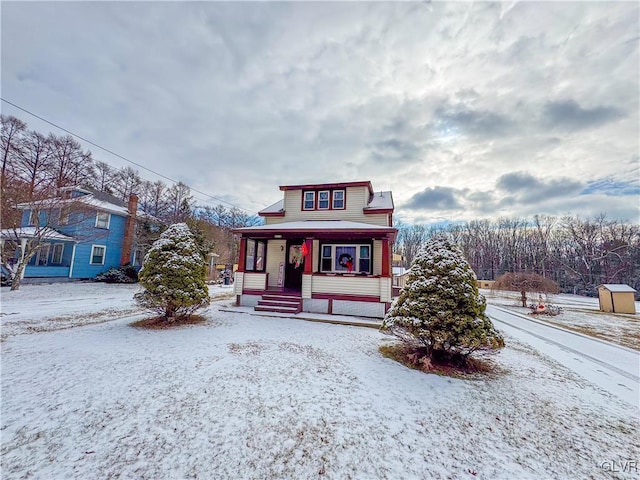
237, 98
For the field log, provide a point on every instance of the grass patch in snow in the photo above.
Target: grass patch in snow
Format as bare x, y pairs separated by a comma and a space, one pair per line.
161, 323
414, 358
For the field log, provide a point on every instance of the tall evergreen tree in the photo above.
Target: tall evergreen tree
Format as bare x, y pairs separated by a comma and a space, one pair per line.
440, 307
173, 275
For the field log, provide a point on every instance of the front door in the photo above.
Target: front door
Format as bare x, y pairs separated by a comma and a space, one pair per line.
294, 265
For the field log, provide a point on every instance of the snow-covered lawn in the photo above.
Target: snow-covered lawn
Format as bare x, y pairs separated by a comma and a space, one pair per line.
255, 397
581, 314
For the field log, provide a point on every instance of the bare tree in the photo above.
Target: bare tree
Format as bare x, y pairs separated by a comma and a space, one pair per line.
10, 138
126, 181
34, 160
525, 282
180, 203
70, 164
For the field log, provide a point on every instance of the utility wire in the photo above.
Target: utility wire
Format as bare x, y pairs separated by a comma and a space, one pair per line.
121, 157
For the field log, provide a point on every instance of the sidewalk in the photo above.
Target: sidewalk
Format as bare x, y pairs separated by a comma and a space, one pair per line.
311, 317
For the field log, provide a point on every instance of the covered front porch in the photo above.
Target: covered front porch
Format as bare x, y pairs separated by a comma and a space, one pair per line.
334, 267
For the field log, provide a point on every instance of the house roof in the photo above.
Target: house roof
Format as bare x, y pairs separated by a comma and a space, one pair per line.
317, 226
32, 232
617, 287
380, 201
328, 186
98, 200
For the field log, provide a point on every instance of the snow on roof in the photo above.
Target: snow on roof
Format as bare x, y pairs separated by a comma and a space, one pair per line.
380, 200
617, 287
32, 232
322, 225
275, 208
92, 201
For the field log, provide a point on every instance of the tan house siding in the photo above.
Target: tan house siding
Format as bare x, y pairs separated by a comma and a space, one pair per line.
356, 199
275, 255
347, 285
316, 255
377, 257
237, 286
307, 281
254, 281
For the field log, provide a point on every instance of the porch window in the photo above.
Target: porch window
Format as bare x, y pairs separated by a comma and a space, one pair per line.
338, 199
56, 255
255, 258
309, 201
323, 200
42, 256
97, 254
102, 219
340, 258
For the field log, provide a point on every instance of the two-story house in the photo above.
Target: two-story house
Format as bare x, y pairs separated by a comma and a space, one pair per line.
324, 248
79, 234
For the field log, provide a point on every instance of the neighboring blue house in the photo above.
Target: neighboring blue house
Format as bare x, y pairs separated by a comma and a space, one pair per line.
81, 233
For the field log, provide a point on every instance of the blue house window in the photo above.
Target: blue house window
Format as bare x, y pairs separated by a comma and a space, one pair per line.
56, 255
97, 254
102, 219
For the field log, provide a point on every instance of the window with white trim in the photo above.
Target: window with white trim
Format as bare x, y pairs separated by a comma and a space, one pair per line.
338, 200
33, 218
323, 200
42, 255
56, 255
309, 201
97, 254
342, 258
103, 219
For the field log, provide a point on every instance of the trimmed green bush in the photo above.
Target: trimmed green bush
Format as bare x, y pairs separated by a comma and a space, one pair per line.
440, 309
173, 275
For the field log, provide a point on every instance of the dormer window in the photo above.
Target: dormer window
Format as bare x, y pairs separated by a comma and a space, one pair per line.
338, 199
309, 201
323, 200
102, 219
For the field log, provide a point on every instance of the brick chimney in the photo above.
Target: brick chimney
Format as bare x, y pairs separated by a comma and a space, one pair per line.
129, 230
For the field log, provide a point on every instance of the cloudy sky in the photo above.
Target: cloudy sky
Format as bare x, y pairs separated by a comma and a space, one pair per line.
463, 110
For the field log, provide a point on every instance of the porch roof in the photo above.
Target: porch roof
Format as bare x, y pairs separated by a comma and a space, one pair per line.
33, 232
305, 227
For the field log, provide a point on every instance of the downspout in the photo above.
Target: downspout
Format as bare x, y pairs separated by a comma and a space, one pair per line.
73, 259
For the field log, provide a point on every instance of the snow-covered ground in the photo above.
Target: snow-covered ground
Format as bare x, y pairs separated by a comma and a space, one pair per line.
581, 314
260, 397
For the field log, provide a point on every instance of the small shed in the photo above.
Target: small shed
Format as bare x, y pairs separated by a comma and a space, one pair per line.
616, 298
486, 283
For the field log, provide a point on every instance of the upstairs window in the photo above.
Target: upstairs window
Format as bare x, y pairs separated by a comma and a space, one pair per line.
309, 202
338, 199
33, 218
103, 219
323, 200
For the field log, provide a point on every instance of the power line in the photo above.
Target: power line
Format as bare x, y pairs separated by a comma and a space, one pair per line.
122, 157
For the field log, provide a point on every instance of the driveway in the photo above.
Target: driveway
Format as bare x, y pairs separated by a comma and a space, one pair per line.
613, 368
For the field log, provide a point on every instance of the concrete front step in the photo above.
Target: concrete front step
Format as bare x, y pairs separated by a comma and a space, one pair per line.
281, 297
282, 303
276, 308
